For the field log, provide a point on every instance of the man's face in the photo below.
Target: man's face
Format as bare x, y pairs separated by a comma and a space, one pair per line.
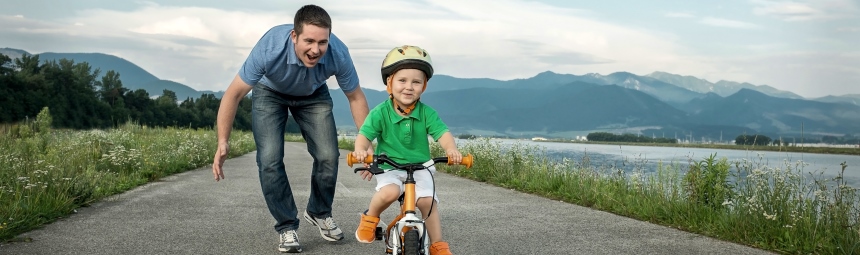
311, 45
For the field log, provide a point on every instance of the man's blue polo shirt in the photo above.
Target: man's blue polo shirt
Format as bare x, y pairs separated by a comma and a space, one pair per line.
273, 62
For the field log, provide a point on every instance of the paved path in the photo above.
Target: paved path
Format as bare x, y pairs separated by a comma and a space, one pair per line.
189, 213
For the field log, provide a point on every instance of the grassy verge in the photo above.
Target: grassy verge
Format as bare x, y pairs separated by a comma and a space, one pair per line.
778, 208
46, 175
821, 150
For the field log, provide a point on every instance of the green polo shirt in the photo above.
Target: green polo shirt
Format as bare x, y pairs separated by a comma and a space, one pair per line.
403, 139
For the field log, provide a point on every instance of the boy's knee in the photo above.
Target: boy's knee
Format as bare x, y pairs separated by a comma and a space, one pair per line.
426, 204
389, 193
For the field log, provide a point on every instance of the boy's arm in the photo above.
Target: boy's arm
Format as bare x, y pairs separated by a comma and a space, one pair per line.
362, 147
450, 147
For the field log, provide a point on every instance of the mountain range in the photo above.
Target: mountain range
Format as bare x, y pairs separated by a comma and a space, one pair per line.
565, 105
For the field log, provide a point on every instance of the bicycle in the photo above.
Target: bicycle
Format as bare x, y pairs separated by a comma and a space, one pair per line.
409, 237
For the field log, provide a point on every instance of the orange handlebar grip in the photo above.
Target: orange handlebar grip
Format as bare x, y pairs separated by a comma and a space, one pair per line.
352, 160
466, 161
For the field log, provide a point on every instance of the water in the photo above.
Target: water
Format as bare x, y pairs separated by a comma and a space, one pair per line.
629, 157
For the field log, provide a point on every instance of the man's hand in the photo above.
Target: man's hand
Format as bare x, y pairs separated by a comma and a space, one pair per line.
366, 175
218, 161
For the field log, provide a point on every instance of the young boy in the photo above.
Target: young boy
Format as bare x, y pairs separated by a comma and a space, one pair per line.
401, 125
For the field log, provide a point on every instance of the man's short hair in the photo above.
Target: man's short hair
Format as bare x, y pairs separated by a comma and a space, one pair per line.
311, 15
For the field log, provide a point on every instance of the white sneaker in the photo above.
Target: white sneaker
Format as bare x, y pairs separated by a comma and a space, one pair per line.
289, 242
328, 229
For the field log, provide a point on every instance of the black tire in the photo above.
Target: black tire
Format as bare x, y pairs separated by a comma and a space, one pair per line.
411, 244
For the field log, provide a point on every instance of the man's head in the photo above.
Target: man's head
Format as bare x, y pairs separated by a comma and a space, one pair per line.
310, 35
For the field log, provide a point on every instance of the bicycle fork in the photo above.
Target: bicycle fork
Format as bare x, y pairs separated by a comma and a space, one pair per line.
406, 221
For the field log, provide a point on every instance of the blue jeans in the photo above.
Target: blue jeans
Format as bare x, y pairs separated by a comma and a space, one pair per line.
313, 113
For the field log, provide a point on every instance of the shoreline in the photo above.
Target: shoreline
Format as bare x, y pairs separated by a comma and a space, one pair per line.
799, 149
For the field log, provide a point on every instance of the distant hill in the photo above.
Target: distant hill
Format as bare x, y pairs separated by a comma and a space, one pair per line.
848, 99
582, 108
722, 88
133, 76
441, 82
666, 92
13, 53
758, 111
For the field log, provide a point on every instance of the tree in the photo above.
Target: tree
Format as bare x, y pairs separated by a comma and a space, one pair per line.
752, 140
110, 89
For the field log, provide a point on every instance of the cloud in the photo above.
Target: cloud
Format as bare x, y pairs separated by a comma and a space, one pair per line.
718, 22
807, 10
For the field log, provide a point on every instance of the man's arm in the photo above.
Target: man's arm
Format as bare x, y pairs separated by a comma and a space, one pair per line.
358, 106
226, 114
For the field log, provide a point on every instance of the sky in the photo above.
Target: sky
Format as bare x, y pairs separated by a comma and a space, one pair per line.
809, 47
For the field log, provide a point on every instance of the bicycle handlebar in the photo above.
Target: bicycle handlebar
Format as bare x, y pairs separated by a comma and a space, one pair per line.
466, 161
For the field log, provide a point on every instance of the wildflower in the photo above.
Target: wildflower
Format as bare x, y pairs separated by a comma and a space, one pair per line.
769, 216
728, 202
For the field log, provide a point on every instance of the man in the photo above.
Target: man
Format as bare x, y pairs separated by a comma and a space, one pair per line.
287, 71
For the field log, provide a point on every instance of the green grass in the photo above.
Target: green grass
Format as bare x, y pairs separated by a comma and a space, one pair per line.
46, 175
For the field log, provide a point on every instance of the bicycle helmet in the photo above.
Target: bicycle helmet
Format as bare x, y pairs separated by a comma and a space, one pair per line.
406, 56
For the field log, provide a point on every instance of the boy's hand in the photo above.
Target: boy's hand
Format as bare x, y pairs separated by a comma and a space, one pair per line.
454, 156
362, 154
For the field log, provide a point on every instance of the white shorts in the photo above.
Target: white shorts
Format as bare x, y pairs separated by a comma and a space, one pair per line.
423, 181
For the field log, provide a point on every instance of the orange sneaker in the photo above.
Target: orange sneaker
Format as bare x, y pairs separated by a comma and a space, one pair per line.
439, 248
366, 231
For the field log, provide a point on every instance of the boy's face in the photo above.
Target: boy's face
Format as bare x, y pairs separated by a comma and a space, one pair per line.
311, 45
407, 86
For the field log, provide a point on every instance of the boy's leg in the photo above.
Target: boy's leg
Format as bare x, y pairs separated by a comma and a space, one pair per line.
438, 246
388, 189
269, 115
314, 116
431, 222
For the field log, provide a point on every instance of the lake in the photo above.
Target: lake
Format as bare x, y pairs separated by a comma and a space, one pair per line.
646, 157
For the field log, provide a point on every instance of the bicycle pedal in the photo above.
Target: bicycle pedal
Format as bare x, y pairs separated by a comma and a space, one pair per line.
379, 233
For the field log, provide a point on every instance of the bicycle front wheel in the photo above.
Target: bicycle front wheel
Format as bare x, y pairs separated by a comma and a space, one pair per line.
411, 244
